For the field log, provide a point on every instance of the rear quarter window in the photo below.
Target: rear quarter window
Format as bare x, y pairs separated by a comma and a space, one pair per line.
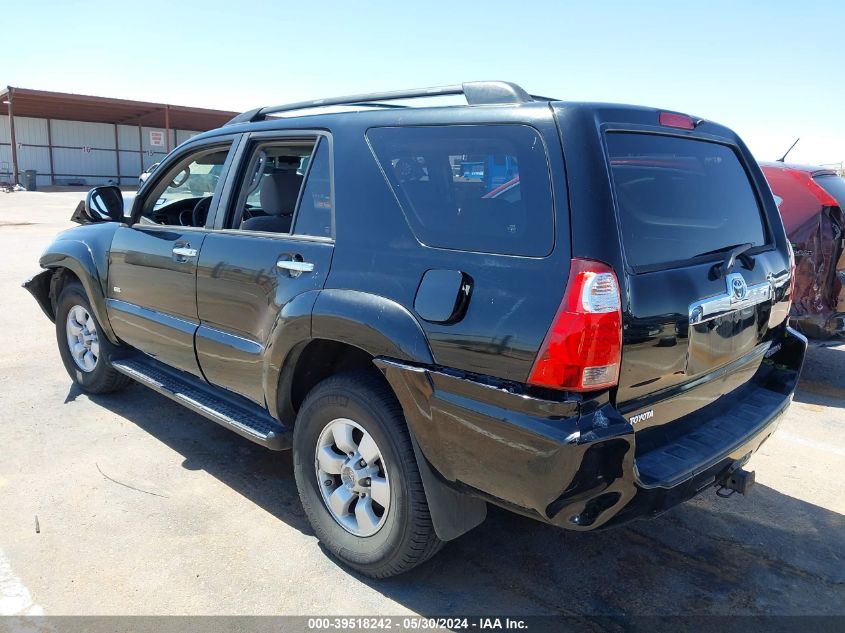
680, 198
482, 188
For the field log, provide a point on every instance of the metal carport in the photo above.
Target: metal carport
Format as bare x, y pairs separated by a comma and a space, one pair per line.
82, 139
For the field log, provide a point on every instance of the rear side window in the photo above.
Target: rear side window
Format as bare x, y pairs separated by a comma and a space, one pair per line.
315, 207
679, 198
835, 186
482, 188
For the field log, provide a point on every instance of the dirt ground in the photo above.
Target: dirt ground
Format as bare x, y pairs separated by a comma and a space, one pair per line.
146, 508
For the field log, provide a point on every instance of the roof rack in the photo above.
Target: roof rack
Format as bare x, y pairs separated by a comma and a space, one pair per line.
476, 93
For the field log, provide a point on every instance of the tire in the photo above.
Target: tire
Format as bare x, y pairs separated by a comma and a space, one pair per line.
99, 377
405, 536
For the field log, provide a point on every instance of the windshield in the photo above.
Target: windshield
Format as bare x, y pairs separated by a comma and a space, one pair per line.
678, 198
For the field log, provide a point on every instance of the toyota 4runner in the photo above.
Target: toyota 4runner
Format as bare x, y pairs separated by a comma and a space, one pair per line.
575, 311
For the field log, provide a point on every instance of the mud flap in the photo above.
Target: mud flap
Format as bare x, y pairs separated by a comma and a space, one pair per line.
452, 513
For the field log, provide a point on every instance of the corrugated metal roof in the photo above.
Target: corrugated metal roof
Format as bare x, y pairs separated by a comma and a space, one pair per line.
74, 107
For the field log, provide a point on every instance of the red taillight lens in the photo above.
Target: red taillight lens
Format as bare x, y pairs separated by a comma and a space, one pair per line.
671, 119
583, 349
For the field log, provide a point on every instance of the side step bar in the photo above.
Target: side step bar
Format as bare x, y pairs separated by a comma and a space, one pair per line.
230, 410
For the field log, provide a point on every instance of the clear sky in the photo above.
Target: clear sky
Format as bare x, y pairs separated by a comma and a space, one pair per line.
773, 70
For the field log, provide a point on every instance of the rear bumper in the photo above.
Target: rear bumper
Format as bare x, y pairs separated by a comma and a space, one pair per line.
575, 464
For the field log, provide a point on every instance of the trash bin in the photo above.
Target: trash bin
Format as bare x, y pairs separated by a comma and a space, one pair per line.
29, 179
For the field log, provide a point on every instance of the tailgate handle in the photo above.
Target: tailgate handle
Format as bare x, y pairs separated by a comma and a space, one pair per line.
738, 296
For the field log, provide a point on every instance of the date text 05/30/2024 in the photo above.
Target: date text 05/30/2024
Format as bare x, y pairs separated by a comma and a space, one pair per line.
416, 623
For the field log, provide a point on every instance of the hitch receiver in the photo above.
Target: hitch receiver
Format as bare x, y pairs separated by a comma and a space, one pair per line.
738, 480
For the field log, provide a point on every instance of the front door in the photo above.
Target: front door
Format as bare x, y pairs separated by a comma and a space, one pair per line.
151, 294
274, 244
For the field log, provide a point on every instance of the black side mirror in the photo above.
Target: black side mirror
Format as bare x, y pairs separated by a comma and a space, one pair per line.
104, 204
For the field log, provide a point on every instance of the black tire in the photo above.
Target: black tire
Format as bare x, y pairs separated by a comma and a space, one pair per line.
407, 537
103, 378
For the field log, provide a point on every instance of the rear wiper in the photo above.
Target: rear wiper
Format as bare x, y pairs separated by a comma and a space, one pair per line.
732, 253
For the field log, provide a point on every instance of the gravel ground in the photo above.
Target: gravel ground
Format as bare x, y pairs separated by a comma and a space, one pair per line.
146, 508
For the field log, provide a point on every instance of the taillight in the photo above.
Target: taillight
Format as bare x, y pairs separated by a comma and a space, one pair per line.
791, 273
582, 350
672, 119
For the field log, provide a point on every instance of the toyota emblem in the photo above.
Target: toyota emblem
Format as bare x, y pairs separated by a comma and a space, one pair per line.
739, 289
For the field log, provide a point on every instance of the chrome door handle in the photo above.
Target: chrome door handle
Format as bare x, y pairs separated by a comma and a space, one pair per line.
295, 268
184, 251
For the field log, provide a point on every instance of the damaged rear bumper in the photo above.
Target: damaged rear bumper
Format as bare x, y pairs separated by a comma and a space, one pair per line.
575, 463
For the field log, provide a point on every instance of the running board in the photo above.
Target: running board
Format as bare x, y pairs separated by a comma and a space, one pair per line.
230, 410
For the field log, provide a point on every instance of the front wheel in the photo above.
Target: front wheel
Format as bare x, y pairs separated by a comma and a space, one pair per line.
358, 479
84, 349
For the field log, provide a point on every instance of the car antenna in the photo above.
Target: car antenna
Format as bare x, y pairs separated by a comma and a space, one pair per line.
783, 158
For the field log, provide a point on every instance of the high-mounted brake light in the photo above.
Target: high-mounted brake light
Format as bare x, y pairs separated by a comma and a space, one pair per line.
582, 350
672, 119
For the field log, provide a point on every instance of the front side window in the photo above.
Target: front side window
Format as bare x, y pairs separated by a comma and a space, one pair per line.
482, 188
183, 195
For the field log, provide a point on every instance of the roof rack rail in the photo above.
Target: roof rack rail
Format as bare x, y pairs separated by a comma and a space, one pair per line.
476, 93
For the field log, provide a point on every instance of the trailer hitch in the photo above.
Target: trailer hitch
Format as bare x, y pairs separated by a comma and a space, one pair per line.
737, 480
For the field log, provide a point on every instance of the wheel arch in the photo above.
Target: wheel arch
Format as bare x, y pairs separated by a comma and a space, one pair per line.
355, 330
66, 261
348, 325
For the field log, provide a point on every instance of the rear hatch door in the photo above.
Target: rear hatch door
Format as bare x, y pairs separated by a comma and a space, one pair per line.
700, 271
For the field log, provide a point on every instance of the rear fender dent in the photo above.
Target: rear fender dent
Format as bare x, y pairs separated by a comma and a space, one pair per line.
452, 512
537, 456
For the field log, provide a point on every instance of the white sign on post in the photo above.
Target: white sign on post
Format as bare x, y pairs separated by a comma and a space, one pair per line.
156, 138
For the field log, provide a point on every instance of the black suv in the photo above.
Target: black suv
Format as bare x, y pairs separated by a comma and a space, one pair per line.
575, 311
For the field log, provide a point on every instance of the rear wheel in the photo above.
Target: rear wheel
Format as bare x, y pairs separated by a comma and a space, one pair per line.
85, 351
358, 479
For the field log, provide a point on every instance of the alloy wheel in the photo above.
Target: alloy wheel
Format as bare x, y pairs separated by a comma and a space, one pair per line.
352, 477
82, 340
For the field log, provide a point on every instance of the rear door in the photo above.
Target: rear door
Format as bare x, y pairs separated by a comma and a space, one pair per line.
696, 321
274, 244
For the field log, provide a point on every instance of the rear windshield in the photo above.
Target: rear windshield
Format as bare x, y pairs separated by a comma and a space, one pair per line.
482, 188
679, 198
835, 186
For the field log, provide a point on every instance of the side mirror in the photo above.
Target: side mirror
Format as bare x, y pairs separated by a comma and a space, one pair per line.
104, 204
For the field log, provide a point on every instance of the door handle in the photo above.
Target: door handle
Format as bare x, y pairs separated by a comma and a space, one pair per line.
295, 268
184, 251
